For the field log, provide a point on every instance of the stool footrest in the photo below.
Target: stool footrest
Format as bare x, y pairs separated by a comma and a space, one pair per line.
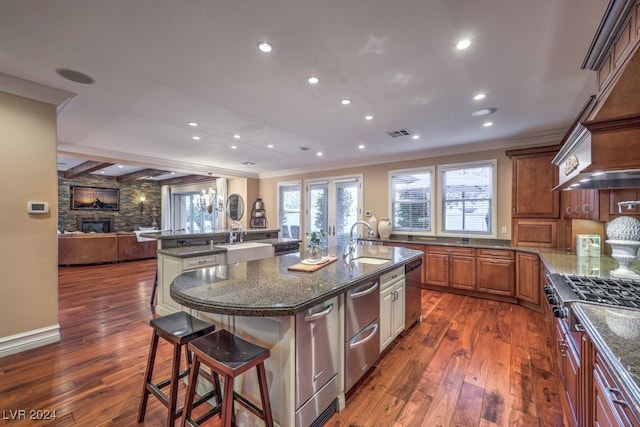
248, 404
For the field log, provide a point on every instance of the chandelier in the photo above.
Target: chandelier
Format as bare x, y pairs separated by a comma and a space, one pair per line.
209, 201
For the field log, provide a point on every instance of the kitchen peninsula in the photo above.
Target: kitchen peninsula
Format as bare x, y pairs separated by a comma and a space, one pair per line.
302, 317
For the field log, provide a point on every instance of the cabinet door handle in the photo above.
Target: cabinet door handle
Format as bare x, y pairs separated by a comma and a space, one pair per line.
319, 315
568, 210
616, 397
579, 327
358, 291
357, 343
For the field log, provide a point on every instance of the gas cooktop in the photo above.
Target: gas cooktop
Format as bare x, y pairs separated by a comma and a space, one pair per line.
615, 292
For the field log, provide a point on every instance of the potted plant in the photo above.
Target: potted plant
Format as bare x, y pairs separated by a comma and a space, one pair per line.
314, 243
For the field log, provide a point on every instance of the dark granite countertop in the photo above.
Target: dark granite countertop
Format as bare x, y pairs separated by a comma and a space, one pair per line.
266, 288
615, 332
181, 234
204, 250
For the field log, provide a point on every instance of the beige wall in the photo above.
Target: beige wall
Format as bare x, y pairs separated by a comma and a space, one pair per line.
28, 254
248, 188
376, 184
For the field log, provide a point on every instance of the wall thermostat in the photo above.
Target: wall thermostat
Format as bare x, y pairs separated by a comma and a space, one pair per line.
37, 207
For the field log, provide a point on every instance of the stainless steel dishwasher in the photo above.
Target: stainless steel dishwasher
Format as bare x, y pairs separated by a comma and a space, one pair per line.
316, 363
413, 293
362, 331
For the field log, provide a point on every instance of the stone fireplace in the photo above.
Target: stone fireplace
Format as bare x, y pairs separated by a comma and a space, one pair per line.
96, 224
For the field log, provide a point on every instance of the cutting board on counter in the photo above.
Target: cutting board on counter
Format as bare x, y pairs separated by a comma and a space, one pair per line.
301, 266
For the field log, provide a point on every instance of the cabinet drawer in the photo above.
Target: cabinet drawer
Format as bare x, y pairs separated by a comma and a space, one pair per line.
390, 277
451, 250
612, 396
496, 253
191, 263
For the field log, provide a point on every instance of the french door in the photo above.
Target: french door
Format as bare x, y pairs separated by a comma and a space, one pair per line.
333, 205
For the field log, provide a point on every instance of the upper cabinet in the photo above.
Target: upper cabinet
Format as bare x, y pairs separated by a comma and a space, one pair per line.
534, 176
535, 207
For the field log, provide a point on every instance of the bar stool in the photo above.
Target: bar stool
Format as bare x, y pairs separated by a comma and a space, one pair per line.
230, 356
178, 329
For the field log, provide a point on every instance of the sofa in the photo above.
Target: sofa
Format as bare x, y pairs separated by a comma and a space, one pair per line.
96, 248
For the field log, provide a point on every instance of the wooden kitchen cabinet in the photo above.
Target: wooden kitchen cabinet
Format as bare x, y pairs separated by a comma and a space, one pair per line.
610, 198
534, 176
495, 272
535, 209
528, 278
611, 407
580, 204
451, 267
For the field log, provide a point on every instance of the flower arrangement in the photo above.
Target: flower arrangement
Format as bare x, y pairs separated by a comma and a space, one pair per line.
314, 242
315, 238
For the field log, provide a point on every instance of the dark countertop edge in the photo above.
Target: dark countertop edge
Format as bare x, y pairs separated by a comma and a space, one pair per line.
204, 250
288, 310
173, 235
619, 371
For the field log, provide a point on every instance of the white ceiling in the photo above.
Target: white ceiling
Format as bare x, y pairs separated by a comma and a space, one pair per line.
158, 64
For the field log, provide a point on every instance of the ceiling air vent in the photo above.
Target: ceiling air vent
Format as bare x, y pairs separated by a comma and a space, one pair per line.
397, 133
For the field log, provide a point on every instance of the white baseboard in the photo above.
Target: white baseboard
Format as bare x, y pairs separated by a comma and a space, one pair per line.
28, 340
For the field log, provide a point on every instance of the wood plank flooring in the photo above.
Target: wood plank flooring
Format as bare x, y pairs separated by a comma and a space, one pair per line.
471, 362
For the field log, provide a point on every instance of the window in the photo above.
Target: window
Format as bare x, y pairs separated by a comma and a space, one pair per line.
190, 216
411, 195
289, 209
467, 198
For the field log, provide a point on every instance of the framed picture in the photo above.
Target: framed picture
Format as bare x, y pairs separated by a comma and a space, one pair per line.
95, 199
588, 245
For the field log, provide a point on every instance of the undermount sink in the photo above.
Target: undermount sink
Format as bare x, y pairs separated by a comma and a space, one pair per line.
371, 260
247, 251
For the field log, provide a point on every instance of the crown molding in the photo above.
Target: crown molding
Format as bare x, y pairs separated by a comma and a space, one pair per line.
27, 89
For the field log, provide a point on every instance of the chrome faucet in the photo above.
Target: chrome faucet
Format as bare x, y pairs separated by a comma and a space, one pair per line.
352, 242
232, 234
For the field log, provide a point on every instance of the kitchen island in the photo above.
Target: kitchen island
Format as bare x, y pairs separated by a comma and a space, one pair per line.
299, 316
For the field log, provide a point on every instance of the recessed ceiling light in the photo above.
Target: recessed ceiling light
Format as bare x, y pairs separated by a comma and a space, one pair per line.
484, 112
248, 163
487, 124
319, 154
236, 136
75, 76
368, 117
361, 146
345, 101
264, 47
120, 166
313, 80
270, 146
192, 124
234, 147
479, 96
415, 136
463, 44
196, 138
101, 171
172, 173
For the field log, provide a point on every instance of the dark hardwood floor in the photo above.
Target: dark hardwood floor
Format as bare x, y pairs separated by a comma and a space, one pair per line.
471, 362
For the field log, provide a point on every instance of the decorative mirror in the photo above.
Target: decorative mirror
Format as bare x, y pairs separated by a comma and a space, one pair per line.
235, 207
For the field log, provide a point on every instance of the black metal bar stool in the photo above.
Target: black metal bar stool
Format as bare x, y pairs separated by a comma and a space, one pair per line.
230, 356
179, 329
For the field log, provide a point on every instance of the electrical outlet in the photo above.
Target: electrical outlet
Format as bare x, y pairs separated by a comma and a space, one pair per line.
367, 214
504, 229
